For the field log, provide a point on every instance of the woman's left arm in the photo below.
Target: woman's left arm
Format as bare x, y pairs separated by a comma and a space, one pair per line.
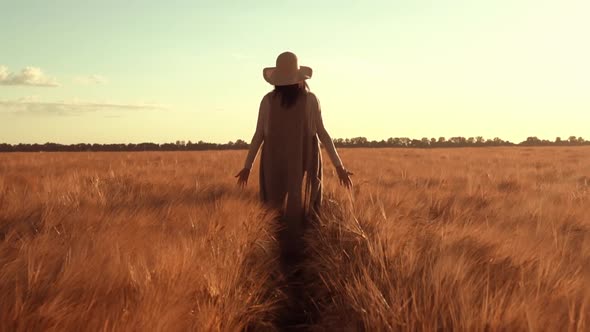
343, 173
324, 136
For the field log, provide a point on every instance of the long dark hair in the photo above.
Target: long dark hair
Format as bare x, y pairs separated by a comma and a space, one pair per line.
290, 93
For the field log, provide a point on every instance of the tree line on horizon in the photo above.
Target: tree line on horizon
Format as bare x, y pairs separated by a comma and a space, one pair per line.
356, 142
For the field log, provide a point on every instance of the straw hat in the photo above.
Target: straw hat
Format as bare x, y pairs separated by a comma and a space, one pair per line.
287, 71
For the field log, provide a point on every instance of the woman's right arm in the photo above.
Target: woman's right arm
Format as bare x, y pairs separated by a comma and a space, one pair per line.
258, 137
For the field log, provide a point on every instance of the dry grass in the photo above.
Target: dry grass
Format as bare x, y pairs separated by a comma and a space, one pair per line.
449, 239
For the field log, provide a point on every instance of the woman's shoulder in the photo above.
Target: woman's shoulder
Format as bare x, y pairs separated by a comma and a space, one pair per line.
313, 101
267, 96
311, 95
265, 102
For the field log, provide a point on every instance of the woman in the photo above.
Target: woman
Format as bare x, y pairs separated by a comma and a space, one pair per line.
289, 124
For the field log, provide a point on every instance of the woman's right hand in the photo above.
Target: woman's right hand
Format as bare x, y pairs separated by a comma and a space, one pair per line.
243, 177
344, 176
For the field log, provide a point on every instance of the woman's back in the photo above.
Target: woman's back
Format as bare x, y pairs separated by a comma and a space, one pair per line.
306, 102
284, 154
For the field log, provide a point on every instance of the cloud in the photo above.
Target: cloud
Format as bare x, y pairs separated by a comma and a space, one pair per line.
29, 76
91, 79
31, 105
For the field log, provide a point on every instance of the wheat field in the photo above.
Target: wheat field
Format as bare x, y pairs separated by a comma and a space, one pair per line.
474, 239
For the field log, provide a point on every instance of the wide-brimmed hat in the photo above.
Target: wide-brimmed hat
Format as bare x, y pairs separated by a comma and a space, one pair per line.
287, 71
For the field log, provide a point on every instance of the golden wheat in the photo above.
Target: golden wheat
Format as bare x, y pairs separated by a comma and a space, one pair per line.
447, 239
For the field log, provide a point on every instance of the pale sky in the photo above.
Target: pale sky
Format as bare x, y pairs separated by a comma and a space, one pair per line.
147, 71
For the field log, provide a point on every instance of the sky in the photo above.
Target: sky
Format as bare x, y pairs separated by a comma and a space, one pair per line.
160, 71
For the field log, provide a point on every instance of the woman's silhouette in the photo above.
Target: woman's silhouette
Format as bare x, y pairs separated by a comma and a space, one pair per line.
290, 126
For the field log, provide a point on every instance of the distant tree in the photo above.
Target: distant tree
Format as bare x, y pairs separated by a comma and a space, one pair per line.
405, 141
415, 143
400, 142
359, 141
532, 140
169, 146
458, 141
394, 142
240, 144
6, 147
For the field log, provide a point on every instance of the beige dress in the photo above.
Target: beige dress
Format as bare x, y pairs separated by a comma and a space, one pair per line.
291, 162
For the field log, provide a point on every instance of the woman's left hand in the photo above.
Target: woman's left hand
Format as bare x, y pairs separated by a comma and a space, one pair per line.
344, 176
243, 177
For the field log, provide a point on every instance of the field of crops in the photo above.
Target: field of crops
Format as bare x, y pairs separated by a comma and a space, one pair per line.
473, 239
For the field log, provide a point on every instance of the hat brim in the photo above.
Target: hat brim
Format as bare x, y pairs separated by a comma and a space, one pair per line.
272, 76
